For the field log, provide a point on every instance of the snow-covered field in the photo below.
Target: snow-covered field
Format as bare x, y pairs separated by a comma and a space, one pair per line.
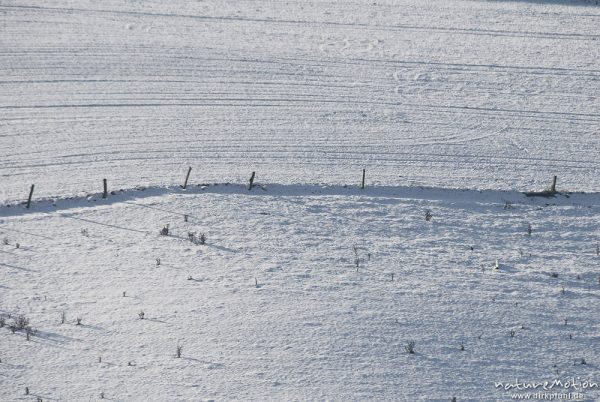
476, 94
438, 100
314, 328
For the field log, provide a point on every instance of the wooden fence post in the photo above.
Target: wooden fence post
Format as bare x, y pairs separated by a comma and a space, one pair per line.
105, 193
362, 186
553, 187
251, 181
30, 195
187, 177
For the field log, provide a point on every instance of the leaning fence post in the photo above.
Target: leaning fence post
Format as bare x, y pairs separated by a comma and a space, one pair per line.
105, 193
553, 187
251, 181
362, 186
30, 195
187, 177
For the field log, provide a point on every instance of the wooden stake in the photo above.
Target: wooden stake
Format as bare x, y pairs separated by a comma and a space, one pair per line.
30, 195
392, 277
105, 193
251, 181
187, 177
362, 186
553, 187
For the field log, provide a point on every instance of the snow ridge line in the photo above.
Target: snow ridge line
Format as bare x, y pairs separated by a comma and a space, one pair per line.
502, 198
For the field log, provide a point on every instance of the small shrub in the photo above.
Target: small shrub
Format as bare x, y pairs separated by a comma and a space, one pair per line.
158, 261
164, 231
202, 239
20, 322
17, 245
428, 215
141, 315
462, 347
410, 347
78, 319
554, 274
2, 322
512, 333
356, 257
178, 351
5, 241
84, 232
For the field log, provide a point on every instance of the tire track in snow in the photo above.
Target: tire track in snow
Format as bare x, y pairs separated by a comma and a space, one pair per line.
422, 28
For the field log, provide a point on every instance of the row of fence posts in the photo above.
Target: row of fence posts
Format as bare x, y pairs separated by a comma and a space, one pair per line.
185, 183
552, 189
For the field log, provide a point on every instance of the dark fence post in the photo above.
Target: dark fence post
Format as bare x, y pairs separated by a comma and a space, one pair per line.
187, 177
30, 195
251, 181
105, 193
362, 186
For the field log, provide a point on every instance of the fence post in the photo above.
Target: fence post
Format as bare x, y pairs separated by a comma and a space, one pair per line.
553, 187
251, 181
30, 195
362, 186
187, 177
105, 193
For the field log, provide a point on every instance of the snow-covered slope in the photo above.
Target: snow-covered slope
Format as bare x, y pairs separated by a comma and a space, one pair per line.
477, 94
432, 97
272, 307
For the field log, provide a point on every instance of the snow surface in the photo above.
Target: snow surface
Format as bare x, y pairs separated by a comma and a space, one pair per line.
476, 94
314, 328
432, 97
